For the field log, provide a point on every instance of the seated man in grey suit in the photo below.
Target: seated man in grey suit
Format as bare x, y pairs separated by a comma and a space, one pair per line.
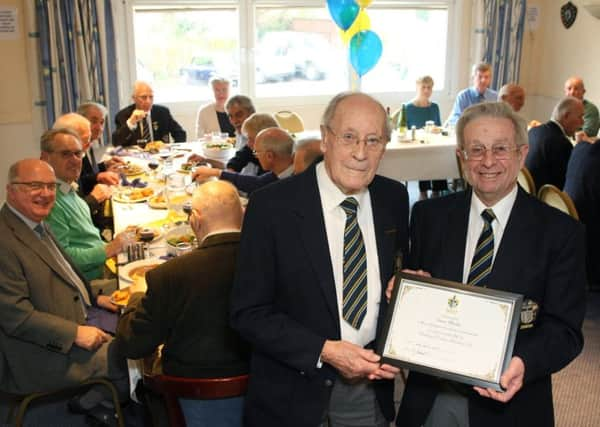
273, 149
47, 340
187, 308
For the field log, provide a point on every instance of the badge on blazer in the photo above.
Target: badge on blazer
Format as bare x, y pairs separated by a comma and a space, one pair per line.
155, 126
529, 311
568, 13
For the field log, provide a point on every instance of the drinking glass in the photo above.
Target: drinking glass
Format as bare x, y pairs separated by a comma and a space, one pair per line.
176, 196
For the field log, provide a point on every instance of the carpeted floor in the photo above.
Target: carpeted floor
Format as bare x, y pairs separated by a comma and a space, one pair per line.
577, 387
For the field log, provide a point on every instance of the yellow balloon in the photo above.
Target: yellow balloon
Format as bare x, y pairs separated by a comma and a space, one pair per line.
362, 22
364, 3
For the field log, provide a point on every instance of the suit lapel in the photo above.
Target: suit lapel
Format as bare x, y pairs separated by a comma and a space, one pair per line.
456, 238
313, 235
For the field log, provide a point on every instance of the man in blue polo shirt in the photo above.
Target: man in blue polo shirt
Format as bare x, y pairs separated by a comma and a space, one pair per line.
479, 92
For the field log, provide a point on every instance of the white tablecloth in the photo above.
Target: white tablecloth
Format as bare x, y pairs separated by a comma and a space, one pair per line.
412, 161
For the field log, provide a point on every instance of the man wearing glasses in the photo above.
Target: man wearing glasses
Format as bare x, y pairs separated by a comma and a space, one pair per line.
533, 249
47, 337
70, 219
317, 250
145, 121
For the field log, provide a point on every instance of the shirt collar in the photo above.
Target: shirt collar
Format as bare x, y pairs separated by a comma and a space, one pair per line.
29, 223
65, 187
221, 231
286, 173
331, 195
501, 209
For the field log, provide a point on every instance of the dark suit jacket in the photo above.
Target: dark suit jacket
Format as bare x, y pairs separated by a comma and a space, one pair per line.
89, 174
242, 157
249, 183
163, 124
541, 256
583, 185
284, 298
39, 314
186, 307
549, 151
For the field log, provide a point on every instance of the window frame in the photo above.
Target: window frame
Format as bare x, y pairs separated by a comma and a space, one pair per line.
247, 12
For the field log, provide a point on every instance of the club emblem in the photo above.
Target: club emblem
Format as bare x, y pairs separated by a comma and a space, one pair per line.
568, 13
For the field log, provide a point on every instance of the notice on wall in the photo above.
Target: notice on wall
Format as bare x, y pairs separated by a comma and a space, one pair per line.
533, 17
9, 28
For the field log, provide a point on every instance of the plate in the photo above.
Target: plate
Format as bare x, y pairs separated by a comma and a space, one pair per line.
120, 297
157, 202
131, 169
128, 272
133, 195
156, 231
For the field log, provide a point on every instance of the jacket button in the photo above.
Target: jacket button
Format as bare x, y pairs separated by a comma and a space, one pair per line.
328, 383
302, 373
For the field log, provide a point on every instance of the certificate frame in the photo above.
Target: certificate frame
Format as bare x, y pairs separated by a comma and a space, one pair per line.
422, 334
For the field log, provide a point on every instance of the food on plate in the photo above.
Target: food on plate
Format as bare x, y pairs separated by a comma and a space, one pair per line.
145, 232
184, 238
436, 129
187, 166
154, 146
135, 194
120, 296
131, 169
138, 272
218, 145
158, 201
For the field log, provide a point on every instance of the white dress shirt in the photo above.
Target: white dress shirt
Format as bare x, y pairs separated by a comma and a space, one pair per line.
501, 210
335, 222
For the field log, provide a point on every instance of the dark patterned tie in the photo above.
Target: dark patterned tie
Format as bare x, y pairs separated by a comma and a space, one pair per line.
145, 130
354, 304
481, 266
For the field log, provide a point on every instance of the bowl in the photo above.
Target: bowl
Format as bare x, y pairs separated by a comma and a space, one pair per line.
218, 150
179, 234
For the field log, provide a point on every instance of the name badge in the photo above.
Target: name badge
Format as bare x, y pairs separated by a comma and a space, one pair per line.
529, 311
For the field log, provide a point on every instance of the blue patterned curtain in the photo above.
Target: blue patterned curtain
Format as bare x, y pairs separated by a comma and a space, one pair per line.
77, 55
503, 26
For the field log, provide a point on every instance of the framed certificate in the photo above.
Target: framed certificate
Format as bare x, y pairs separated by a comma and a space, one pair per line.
450, 330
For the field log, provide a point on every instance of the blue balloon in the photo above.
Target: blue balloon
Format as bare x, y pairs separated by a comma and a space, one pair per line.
343, 12
365, 51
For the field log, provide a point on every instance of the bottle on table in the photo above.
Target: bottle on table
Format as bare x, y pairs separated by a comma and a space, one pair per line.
402, 121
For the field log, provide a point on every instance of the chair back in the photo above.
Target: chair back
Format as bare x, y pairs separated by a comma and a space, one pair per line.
525, 180
172, 388
290, 121
560, 200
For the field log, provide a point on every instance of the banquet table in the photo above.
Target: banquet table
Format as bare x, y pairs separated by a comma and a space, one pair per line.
431, 156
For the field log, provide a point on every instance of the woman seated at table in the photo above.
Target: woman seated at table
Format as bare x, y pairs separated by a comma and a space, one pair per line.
213, 117
419, 111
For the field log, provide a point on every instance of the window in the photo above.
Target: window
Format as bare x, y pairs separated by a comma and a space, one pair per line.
180, 50
280, 49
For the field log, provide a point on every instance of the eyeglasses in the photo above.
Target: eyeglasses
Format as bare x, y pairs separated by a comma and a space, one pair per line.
145, 97
350, 139
255, 152
65, 154
37, 186
500, 152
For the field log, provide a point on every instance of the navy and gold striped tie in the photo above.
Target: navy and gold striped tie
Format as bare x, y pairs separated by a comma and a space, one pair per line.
354, 306
481, 266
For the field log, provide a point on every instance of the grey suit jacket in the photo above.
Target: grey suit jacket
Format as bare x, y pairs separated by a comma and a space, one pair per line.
39, 314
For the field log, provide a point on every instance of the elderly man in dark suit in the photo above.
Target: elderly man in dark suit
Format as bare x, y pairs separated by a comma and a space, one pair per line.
187, 307
535, 250
550, 146
583, 185
144, 120
316, 252
47, 339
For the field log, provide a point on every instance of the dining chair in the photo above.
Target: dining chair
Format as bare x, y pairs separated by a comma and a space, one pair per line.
560, 200
171, 388
22, 402
290, 121
525, 180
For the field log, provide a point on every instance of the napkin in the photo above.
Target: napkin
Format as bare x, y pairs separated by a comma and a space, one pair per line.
135, 183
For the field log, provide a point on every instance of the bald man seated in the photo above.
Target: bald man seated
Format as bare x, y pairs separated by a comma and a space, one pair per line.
186, 307
273, 148
143, 120
591, 118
